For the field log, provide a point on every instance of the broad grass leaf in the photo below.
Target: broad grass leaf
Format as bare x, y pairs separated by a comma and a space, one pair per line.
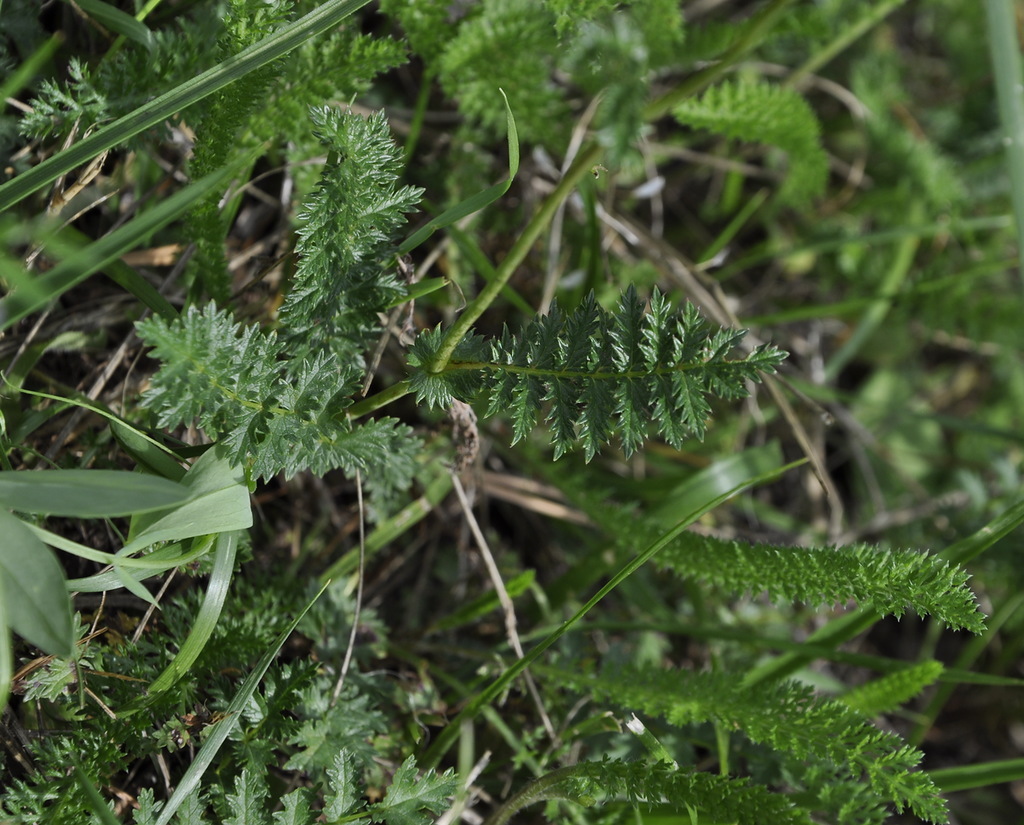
218, 502
88, 493
34, 594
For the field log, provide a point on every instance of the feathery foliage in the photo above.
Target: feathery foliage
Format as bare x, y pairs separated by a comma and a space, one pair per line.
218, 131
786, 716
888, 692
680, 793
274, 369
601, 372
346, 270
775, 115
277, 401
507, 44
96, 94
272, 413
888, 581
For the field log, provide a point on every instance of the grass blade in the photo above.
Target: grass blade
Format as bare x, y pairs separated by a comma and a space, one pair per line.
1005, 50
259, 54
206, 620
117, 21
68, 273
498, 686
476, 202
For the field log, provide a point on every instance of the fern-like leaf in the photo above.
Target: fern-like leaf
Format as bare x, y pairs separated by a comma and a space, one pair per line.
889, 581
505, 45
343, 279
775, 115
601, 372
888, 692
273, 413
686, 795
786, 716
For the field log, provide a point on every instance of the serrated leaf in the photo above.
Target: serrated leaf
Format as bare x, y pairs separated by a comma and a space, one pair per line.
601, 373
297, 810
191, 810
148, 809
343, 797
246, 803
407, 797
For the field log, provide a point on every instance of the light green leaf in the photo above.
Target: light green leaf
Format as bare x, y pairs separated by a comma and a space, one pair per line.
218, 503
296, 809
408, 797
206, 620
87, 493
344, 796
6, 654
35, 599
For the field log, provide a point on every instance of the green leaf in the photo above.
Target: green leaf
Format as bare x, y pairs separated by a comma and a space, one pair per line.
6, 652
297, 810
191, 811
408, 797
344, 795
146, 451
762, 112
206, 619
35, 598
87, 493
246, 803
218, 502
626, 371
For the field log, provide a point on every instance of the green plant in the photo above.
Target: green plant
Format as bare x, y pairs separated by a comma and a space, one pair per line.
287, 374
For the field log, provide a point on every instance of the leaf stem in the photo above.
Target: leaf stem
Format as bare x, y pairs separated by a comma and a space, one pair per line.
378, 400
464, 323
540, 789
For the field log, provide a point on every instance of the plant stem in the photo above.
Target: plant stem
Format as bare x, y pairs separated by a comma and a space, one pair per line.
1005, 50
846, 37
464, 323
540, 789
378, 400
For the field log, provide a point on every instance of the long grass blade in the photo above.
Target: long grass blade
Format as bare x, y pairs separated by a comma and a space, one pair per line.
259, 54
